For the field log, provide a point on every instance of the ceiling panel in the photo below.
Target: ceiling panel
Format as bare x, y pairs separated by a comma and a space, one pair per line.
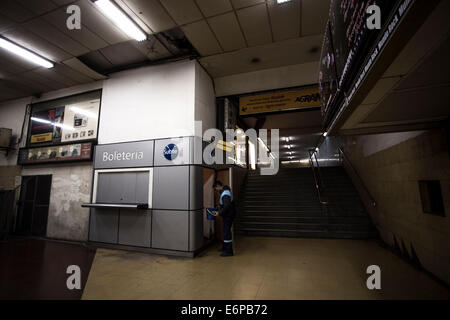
152, 13
182, 12
54, 74
433, 71
33, 86
15, 11
314, 16
289, 52
5, 23
14, 64
62, 2
228, 32
152, 48
214, 7
36, 44
97, 61
202, 38
9, 92
123, 53
255, 24
38, 6
245, 3
36, 77
394, 108
99, 24
45, 30
72, 74
285, 19
84, 36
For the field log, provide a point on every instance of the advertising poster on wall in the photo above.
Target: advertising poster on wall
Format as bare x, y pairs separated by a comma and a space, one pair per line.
42, 126
80, 121
70, 152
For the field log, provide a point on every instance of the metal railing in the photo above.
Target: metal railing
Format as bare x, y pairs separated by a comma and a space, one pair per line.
318, 180
347, 164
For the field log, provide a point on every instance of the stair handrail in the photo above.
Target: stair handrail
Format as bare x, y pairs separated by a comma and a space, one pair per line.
317, 178
344, 158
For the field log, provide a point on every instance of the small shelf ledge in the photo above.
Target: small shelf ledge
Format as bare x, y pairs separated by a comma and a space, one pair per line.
142, 206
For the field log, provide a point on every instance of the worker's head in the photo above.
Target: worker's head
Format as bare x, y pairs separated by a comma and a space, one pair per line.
218, 186
225, 187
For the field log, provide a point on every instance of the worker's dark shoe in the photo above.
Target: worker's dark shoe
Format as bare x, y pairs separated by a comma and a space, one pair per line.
226, 254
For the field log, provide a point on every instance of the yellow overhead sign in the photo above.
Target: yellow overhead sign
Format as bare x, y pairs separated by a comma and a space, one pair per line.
225, 146
279, 101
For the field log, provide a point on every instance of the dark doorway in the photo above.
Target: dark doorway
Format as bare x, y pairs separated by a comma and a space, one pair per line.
6, 210
33, 205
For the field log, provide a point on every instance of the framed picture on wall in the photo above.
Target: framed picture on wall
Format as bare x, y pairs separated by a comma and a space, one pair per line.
65, 120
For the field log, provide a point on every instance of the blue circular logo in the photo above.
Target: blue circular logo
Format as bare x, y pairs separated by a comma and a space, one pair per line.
170, 151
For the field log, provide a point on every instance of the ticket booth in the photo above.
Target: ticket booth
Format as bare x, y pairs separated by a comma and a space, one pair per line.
148, 196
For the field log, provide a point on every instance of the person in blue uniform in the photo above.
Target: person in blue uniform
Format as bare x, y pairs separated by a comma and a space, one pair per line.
227, 212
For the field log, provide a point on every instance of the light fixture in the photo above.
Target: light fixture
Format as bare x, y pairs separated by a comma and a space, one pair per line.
282, 1
60, 125
121, 20
325, 134
24, 53
84, 112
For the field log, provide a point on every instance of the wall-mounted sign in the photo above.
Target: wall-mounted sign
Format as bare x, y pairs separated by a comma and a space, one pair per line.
279, 101
69, 123
170, 151
124, 155
62, 153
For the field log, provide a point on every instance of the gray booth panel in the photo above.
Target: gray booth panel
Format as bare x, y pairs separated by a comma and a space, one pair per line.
171, 187
123, 187
124, 155
195, 229
184, 151
135, 227
104, 225
170, 230
196, 187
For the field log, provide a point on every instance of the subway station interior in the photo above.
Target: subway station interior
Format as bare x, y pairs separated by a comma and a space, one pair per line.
123, 123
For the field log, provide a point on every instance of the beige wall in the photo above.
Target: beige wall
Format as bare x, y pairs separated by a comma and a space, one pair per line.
391, 172
71, 186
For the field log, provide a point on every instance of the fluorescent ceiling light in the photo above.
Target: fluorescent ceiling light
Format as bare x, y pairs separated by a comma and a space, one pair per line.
84, 112
121, 20
60, 125
282, 1
24, 53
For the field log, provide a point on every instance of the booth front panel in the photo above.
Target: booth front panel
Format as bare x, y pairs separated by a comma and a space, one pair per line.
195, 187
171, 188
104, 225
122, 187
170, 230
195, 229
135, 227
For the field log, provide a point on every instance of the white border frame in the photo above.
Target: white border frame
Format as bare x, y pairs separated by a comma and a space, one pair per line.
150, 182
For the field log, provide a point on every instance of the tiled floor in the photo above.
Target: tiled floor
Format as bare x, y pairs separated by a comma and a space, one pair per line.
36, 269
263, 268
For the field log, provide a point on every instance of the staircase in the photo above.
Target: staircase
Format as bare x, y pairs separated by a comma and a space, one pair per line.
287, 205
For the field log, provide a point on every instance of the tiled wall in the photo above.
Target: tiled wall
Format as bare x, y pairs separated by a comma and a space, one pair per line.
391, 174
